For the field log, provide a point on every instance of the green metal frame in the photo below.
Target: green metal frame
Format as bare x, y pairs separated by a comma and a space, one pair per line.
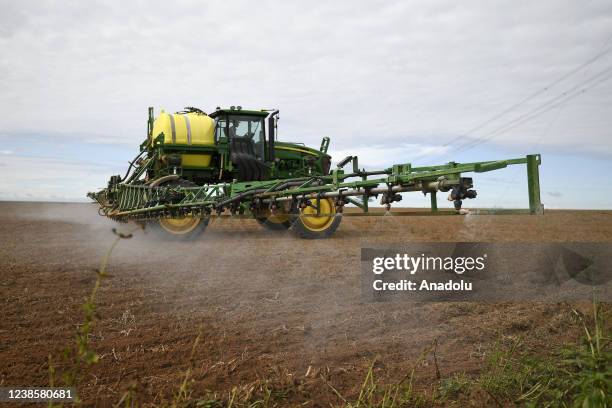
127, 200
299, 177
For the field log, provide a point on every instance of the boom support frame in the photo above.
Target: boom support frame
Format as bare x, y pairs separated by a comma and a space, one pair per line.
134, 200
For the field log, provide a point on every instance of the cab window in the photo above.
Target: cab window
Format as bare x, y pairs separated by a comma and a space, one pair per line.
247, 129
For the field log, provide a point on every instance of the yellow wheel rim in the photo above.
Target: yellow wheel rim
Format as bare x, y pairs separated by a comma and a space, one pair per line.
179, 226
314, 222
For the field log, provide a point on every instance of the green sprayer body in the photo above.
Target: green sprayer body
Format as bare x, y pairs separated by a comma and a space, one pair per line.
193, 166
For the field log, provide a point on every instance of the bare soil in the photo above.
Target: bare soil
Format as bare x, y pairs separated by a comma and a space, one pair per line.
269, 308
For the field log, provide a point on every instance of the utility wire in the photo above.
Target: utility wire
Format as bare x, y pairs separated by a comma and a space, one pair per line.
603, 51
545, 107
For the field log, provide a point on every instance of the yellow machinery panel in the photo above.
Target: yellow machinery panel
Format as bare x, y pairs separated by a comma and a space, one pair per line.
189, 129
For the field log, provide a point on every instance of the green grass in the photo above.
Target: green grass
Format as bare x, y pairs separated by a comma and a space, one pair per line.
452, 387
577, 375
375, 393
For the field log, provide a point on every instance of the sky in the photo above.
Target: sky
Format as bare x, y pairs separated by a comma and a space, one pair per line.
393, 82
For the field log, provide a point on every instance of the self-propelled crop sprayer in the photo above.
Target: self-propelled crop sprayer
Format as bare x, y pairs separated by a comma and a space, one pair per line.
194, 166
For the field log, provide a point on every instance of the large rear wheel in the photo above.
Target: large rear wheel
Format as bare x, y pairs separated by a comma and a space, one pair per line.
310, 224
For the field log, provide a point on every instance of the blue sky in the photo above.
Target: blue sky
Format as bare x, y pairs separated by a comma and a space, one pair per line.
389, 81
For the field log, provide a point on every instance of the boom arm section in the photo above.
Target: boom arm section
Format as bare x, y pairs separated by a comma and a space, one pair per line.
124, 201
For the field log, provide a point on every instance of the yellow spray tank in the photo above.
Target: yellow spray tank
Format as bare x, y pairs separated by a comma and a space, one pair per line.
190, 129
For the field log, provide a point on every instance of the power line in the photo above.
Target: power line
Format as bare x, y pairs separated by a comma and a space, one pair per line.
547, 106
603, 51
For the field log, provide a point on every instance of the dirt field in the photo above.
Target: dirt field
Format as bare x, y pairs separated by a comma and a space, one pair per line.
269, 308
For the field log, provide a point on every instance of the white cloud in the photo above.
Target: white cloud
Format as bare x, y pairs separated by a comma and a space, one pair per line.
390, 71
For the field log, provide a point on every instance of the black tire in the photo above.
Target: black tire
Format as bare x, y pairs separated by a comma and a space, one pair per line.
317, 227
280, 220
274, 226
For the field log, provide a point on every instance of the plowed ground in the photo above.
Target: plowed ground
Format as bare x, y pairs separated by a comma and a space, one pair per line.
272, 311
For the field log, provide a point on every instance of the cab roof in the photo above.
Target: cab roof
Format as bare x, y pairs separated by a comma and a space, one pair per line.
239, 111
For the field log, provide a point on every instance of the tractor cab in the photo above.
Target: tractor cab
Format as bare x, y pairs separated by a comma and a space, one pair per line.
248, 136
250, 139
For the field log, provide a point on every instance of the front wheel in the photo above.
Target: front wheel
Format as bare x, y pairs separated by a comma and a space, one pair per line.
310, 224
